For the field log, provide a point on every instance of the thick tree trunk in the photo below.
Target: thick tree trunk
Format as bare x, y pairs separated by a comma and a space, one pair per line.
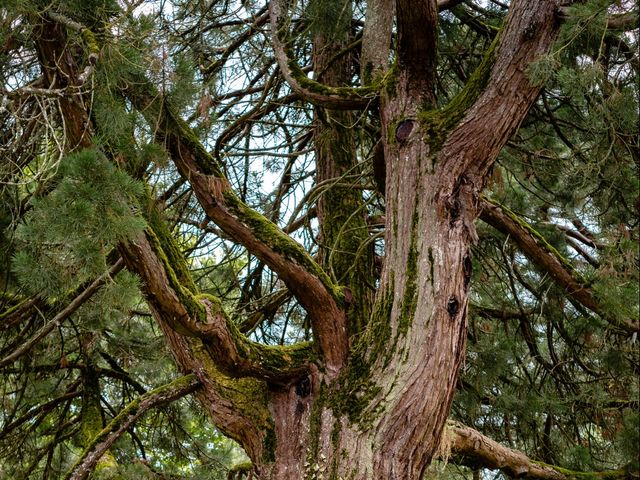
370, 406
383, 417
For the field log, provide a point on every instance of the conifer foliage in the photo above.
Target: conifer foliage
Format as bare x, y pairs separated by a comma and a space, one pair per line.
319, 239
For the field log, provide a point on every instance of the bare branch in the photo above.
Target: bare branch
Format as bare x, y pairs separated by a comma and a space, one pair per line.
71, 308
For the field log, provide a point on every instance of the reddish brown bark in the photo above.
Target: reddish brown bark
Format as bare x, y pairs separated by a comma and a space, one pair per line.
376, 411
61, 72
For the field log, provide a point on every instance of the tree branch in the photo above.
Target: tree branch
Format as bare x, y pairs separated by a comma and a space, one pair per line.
417, 45
202, 316
65, 313
472, 448
323, 301
127, 417
337, 98
547, 258
470, 150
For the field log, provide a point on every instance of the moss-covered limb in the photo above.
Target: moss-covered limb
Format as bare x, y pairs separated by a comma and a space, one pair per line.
489, 213
471, 148
346, 252
17, 309
127, 417
194, 161
538, 250
240, 471
346, 98
166, 242
91, 413
462, 13
323, 300
239, 407
438, 123
202, 316
87, 35
89, 39
470, 447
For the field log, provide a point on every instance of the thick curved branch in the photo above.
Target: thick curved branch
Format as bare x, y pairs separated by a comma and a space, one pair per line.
337, 98
170, 290
470, 150
472, 448
323, 300
127, 417
203, 317
547, 258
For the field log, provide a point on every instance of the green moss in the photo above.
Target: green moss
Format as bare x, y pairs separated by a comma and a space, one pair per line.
604, 475
187, 297
100, 434
90, 39
175, 258
7, 298
315, 423
275, 359
390, 80
261, 358
353, 393
269, 233
176, 131
436, 124
269, 443
242, 467
159, 114
335, 442
365, 93
249, 397
410, 300
367, 73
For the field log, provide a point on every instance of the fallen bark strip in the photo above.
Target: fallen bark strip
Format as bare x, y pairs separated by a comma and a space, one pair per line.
128, 416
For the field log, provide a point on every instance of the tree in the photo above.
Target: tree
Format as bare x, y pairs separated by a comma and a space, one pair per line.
321, 325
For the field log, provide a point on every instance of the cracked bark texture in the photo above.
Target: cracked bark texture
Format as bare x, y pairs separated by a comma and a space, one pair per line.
370, 399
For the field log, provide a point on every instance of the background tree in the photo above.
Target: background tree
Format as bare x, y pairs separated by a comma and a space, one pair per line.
274, 208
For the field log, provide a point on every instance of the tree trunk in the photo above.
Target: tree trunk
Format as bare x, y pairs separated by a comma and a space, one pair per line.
383, 417
370, 398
